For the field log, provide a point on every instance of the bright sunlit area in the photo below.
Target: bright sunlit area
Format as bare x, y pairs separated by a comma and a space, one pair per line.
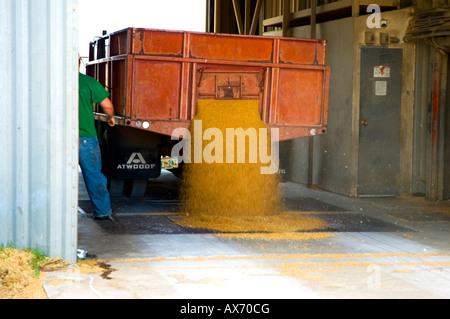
113, 15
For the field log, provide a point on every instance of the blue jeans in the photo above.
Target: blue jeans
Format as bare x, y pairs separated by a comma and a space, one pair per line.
96, 183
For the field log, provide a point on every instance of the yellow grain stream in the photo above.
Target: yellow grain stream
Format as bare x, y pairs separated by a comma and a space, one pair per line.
226, 195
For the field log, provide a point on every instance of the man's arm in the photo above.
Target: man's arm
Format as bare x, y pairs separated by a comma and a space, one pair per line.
108, 108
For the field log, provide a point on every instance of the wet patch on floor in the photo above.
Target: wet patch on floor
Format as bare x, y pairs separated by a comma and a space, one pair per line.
108, 270
162, 223
356, 222
144, 224
423, 217
126, 205
147, 216
122, 206
307, 204
153, 216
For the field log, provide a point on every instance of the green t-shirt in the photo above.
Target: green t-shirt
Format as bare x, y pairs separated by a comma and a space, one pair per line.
90, 92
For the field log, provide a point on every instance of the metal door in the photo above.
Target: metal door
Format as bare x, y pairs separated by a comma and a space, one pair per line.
379, 134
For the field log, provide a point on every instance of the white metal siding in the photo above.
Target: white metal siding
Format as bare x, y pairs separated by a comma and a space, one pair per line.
39, 125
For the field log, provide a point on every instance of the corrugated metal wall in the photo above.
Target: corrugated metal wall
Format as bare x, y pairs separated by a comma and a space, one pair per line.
39, 125
429, 175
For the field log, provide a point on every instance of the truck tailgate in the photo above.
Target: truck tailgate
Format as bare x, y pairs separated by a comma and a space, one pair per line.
155, 77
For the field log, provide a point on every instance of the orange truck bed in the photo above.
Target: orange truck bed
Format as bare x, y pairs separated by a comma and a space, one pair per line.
155, 78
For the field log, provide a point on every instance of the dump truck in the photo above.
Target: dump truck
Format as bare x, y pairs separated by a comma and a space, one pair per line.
155, 78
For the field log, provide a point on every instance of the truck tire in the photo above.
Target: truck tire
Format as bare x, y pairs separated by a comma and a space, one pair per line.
136, 188
116, 187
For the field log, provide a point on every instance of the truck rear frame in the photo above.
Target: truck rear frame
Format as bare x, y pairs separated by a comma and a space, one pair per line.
155, 78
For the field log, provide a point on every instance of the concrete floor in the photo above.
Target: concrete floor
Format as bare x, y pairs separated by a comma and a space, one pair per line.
377, 248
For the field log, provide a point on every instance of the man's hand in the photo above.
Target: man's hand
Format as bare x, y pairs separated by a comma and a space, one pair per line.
108, 108
111, 121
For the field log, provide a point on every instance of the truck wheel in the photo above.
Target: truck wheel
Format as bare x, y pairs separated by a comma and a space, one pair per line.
116, 187
135, 188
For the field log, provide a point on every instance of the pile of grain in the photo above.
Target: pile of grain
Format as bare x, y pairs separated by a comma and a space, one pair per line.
18, 279
234, 197
21, 272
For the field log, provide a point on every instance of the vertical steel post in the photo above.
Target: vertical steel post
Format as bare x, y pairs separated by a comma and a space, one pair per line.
313, 18
435, 119
286, 17
311, 139
217, 4
247, 16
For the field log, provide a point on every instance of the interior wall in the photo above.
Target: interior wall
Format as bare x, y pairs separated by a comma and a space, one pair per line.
331, 152
335, 155
397, 22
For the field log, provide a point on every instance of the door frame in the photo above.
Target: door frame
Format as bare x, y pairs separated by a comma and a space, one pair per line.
376, 189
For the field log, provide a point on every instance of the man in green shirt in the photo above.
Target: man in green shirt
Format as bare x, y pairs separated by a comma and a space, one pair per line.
90, 92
